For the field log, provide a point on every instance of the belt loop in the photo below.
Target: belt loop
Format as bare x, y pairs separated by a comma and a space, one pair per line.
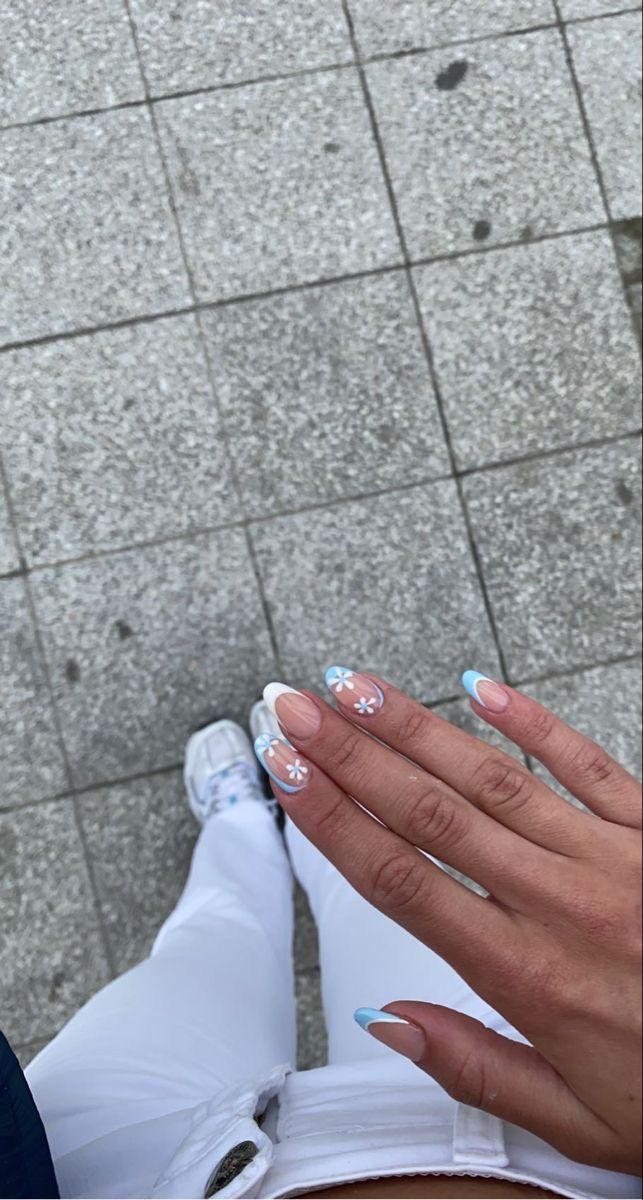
478, 1138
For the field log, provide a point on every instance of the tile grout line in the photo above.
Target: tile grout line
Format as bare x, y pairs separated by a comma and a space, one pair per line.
205, 350
584, 116
428, 352
303, 72
175, 768
45, 668
191, 534
327, 281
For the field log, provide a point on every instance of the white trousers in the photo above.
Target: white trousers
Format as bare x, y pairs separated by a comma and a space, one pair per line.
156, 1087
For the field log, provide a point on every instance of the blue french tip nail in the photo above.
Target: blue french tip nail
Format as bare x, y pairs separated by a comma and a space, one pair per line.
470, 681
370, 1016
283, 763
336, 676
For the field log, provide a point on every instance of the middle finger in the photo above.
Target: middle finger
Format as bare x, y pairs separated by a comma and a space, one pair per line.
424, 810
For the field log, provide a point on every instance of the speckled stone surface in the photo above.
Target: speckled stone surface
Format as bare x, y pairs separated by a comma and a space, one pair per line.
533, 348
51, 955
146, 646
312, 1042
560, 548
607, 58
140, 838
384, 28
9, 560
91, 237
283, 363
385, 584
605, 704
199, 44
575, 9
61, 58
121, 432
30, 757
266, 181
114, 446
447, 119
305, 944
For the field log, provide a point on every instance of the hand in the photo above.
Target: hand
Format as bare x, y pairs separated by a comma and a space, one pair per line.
556, 946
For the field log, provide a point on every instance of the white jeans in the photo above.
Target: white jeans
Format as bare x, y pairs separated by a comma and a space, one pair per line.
158, 1080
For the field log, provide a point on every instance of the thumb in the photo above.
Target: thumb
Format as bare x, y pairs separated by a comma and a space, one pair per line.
482, 1069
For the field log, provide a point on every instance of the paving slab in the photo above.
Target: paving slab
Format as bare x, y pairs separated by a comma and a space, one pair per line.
603, 703
627, 240
385, 28
197, 44
559, 542
31, 758
386, 584
91, 238
266, 180
58, 59
306, 942
51, 955
9, 560
576, 9
325, 393
533, 347
607, 58
140, 838
447, 119
146, 646
312, 1040
121, 433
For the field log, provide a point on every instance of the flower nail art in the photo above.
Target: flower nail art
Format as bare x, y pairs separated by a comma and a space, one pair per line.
283, 764
355, 693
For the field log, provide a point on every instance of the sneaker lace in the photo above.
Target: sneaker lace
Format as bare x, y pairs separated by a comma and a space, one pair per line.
232, 786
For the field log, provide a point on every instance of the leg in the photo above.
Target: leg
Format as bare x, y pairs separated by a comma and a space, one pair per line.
366, 959
212, 1007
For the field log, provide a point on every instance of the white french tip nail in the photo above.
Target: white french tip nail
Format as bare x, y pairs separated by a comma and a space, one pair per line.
273, 691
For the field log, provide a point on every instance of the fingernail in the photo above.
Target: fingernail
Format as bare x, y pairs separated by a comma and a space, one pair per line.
400, 1035
298, 715
356, 694
283, 764
486, 691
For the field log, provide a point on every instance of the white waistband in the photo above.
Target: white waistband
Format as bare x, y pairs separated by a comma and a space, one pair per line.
384, 1118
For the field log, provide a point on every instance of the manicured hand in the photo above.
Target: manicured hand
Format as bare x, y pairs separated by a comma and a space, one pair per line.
556, 946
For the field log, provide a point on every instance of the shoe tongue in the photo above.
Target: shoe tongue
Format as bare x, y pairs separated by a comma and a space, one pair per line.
233, 785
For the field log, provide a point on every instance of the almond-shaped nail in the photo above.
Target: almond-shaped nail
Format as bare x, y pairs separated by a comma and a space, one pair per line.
284, 764
297, 714
487, 692
400, 1035
356, 694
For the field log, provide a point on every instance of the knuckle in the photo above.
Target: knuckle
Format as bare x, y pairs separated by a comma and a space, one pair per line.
330, 819
591, 764
345, 750
433, 820
397, 883
468, 1084
502, 788
413, 726
541, 726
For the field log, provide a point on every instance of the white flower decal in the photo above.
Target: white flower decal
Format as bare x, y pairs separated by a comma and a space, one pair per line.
366, 705
265, 744
296, 770
340, 678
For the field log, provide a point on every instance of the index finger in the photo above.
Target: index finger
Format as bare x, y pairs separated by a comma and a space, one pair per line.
390, 873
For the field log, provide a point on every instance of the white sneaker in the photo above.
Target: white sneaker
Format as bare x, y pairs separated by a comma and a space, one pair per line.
262, 720
220, 770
